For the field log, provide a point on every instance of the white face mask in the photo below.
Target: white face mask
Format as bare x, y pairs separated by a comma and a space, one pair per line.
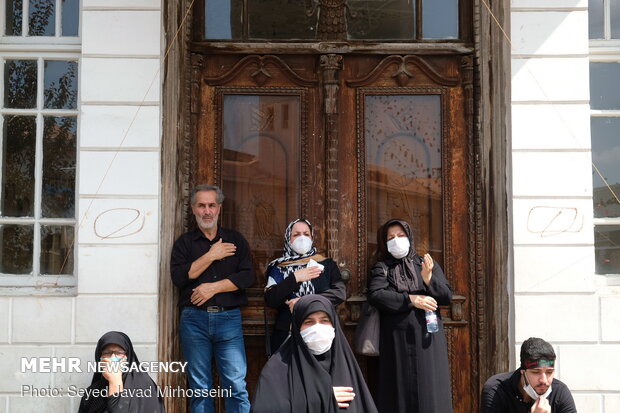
398, 247
529, 390
301, 244
318, 338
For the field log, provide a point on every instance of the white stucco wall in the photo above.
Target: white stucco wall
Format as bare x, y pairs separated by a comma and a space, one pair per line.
557, 296
118, 184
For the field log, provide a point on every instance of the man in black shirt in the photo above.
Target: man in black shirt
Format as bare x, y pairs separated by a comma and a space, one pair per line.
528, 389
211, 266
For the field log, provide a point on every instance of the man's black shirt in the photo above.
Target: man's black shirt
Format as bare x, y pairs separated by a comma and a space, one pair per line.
237, 268
501, 395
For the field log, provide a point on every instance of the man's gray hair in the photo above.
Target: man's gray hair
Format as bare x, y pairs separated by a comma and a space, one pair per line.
219, 195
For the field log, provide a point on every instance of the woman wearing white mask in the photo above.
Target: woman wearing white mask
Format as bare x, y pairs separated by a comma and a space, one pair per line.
314, 371
413, 362
299, 271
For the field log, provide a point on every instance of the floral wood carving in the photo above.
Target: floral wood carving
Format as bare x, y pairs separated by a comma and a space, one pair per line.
403, 75
261, 74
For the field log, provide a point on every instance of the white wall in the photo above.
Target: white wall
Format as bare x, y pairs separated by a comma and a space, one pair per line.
556, 293
118, 213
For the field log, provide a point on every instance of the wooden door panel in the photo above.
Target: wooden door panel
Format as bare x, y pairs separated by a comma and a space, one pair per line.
261, 116
259, 137
380, 90
254, 140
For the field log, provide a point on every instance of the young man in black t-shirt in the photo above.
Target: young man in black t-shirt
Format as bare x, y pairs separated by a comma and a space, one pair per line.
531, 388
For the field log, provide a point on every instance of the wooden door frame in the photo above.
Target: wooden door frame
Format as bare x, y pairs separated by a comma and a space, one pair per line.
491, 213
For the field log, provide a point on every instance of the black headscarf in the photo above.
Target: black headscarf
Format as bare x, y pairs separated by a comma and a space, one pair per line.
131, 380
402, 273
294, 380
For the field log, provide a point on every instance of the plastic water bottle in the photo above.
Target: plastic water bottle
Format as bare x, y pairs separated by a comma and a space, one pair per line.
432, 326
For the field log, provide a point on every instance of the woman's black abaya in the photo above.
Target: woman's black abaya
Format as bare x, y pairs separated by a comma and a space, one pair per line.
294, 380
413, 364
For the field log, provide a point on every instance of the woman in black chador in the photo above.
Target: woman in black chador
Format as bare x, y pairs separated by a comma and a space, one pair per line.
413, 363
300, 271
113, 391
314, 371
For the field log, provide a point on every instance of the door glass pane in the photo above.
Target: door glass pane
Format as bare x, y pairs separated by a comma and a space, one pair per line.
58, 189
288, 23
607, 249
440, 19
16, 243
604, 85
261, 169
382, 20
42, 17
56, 249
606, 157
18, 145
70, 17
403, 167
595, 17
223, 19
20, 84
14, 15
60, 84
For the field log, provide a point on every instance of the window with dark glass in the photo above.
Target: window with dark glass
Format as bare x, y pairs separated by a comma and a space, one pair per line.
50, 18
305, 20
38, 118
605, 124
38, 142
604, 16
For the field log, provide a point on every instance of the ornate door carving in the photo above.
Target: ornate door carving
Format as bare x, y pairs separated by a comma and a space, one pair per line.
347, 141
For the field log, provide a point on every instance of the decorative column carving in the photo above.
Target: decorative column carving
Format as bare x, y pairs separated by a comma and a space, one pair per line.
330, 65
197, 64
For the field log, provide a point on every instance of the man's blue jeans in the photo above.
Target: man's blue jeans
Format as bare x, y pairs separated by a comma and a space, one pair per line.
205, 335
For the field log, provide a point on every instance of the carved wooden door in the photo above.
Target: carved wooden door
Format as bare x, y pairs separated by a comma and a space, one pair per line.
347, 141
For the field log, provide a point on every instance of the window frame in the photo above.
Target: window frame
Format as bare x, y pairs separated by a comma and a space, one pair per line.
41, 49
605, 50
464, 29
24, 38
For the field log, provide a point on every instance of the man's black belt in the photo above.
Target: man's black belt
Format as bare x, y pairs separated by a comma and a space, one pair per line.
215, 308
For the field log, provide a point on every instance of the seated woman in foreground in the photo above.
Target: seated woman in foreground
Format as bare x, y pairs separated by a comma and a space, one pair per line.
112, 391
315, 369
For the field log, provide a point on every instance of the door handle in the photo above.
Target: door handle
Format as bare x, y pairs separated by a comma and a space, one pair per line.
345, 274
456, 307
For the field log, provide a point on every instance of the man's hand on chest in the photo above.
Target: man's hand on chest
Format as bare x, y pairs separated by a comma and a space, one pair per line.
221, 249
